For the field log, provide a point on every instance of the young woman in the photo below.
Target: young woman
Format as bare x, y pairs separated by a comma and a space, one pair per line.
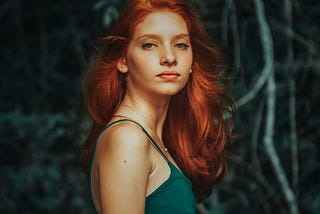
158, 107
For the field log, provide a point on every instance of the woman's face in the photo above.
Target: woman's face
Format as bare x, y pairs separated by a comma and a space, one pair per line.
159, 56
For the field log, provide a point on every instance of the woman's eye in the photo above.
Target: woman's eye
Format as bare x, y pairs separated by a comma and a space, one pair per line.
182, 45
148, 45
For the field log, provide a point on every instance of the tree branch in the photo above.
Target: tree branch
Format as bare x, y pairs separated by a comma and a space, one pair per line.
202, 209
236, 37
293, 134
43, 52
4, 7
77, 40
256, 88
255, 135
267, 45
224, 22
312, 46
292, 100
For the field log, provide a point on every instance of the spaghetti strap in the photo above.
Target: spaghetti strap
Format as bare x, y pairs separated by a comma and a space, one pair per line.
152, 141
167, 191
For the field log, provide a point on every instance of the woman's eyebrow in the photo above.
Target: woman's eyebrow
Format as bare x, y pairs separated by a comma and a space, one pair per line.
182, 35
156, 36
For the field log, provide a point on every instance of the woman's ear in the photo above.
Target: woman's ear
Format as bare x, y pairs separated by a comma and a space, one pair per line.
122, 65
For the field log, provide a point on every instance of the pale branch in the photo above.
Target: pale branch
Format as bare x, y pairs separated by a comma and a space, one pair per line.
257, 174
4, 8
43, 52
256, 88
292, 100
224, 22
311, 45
293, 134
23, 49
255, 135
77, 40
267, 45
259, 179
236, 37
202, 209
214, 198
201, 6
288, 17
20, 32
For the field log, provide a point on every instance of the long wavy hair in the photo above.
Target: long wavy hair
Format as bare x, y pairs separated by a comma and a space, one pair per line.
197, 125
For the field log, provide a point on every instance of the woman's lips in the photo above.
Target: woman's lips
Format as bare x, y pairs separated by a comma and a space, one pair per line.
168, 75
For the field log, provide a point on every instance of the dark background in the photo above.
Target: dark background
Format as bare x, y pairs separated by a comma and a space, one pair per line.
45, 48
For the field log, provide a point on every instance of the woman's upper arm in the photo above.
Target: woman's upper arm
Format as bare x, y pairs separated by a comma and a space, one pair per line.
123, 164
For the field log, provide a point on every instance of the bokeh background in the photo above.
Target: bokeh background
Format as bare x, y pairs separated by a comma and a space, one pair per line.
272, 48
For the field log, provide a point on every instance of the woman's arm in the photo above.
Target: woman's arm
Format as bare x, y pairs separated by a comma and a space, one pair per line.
123, 164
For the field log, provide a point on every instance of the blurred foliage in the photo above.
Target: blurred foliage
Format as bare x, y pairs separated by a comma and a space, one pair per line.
39, 164
46, 46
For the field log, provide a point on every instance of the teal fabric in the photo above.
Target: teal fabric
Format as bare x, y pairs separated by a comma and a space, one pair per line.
174, 196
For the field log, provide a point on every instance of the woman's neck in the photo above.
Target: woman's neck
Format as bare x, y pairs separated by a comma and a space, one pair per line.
151, 113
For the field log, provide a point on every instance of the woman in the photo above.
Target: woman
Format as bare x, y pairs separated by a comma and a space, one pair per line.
159, 108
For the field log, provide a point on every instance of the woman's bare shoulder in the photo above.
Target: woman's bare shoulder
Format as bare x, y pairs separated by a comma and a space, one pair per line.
123, 167
124, 139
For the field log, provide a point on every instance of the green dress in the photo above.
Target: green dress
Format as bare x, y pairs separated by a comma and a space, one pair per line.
173, 196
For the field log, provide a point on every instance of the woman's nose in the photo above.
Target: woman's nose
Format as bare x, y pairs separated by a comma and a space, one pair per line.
168, 57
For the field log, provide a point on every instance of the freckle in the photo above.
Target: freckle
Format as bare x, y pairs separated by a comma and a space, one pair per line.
124, 161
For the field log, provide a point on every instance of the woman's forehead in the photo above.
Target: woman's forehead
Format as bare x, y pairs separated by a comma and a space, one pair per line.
161, 23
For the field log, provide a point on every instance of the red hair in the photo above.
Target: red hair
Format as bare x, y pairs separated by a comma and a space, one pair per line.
196, 127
